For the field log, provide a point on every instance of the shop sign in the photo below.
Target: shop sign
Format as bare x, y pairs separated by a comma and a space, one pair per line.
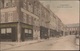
27, 26
8, 25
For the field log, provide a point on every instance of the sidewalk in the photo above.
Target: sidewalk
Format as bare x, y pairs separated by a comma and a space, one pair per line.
7, 45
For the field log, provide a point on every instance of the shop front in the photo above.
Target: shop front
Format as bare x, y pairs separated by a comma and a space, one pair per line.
26, 32
53, 33
43, 32
8, 32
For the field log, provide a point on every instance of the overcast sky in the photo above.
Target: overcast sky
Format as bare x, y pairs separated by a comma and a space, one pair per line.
67, 11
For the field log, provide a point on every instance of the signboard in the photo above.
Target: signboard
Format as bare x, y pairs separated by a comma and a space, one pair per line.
27, 26
7, 25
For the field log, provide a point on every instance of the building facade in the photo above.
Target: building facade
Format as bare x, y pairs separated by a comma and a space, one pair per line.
53, 25
72, 30
22, 20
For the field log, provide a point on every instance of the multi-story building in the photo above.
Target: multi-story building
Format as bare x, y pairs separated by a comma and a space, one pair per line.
44, 22
53, 24
72, 29
60, 26
22, 20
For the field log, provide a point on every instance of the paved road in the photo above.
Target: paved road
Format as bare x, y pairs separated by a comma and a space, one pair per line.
62, 43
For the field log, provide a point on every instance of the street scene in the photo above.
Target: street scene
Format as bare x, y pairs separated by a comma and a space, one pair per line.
27, 25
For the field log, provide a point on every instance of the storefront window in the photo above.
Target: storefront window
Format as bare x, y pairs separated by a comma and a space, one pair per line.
9, 30
30, 31
3, 31
26, 30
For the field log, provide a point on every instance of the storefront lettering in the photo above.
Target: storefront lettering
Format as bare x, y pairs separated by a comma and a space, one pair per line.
26, 26
8, 25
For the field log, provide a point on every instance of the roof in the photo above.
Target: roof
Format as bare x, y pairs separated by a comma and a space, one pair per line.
73, 25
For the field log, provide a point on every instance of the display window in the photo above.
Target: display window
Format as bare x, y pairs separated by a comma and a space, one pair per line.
3, 31
26, 30
9, 30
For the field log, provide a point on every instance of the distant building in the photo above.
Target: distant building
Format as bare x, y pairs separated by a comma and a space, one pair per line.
72, 29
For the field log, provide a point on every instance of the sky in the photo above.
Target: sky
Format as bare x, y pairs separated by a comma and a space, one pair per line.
67, 11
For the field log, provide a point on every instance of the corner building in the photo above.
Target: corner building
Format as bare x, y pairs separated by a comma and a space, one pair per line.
22, 20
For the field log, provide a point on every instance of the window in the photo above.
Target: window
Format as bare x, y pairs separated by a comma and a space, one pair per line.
1, 4
13, 3
7, 3
10, 17
30, 7
3, 31
35, 10
39, 12
9, 30
24, 5
3, 18
24, 17
30, 31
26, 30
30, 20
6, 30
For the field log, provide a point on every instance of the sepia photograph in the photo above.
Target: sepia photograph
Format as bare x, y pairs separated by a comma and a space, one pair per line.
39, 25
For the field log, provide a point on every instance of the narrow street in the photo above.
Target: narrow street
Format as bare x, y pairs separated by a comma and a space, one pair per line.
62, 43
